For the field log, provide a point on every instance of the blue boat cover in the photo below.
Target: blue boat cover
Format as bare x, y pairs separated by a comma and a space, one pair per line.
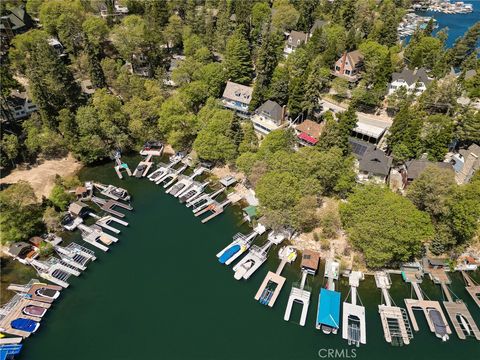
9, 350
229, 253
24, 324
328, 308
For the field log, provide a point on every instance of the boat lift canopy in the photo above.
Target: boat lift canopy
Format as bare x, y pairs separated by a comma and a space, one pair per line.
329, 312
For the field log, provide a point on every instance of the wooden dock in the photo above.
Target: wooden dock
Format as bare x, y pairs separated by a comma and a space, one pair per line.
456, 309
109, 205
472, 288
14, 311
270, 279
31, 288
143, 167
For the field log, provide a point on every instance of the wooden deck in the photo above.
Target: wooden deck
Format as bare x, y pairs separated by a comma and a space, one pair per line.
459, 308
425, 305
271, 278
16, 312
472, 288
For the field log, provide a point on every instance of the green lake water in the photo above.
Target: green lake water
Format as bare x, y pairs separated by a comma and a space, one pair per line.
160, 293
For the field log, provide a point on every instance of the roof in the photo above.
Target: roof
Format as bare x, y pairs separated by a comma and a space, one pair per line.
271, 109
297, 38
376, 162
355, 57
18, 247
307, 138
310, 259
416, 167
77, 207
18, 18
311, 128
472, 149
360, 147
329, 308
371, 128
80, 190
436, 262
412, 76
316, 25
238, 92
36, 241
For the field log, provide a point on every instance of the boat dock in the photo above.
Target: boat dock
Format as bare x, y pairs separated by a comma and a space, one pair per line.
353, 324
119, 166
240, 244
193, 192
472, 288
109, 205
143, 167
105, 222
436, 319
328, 311
272, 284
256, 257
457, 311
395, 323
93, 236
75, 255
113, 192
55, 270
31, 289
203, 200
154, 148
217, 208
300, 293
171, 176
184, 183
14, 310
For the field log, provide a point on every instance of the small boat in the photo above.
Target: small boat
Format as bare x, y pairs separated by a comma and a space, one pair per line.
440, 326
243, 269
229, 253
47, 293
33, 310
465, 324
25, 325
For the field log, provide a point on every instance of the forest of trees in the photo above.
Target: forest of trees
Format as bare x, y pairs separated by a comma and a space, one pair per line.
242, 41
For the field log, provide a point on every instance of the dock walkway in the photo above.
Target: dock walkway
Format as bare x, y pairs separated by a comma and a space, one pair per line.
472, 288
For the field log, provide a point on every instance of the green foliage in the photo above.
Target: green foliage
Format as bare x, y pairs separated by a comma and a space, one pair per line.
21, 215
96, 30
385, 226
336, 133
468, 127
60, 198
278, 89
237, 59
10, 146
285, 16
214, 76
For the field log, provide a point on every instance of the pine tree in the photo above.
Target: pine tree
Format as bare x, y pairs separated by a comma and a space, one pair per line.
156, 13
237, 59
222, 29
96, 72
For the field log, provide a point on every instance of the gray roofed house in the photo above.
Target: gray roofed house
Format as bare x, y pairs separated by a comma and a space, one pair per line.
415, 81
15, 22
78, 208
417, 167
349, 65
374, 165
268, 117
19, 249
467, 162
237, 97
295, 39
18, 106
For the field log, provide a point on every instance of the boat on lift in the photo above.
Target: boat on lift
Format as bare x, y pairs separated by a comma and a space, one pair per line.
240, 244
26, 325
33, 310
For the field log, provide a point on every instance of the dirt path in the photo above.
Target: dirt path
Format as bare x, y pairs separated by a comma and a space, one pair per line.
42, 177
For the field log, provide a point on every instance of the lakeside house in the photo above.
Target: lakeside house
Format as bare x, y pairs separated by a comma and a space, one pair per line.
308, 132
237, 97
268, 117
465, 163
414, 168
295, 40
414, 81
374, 166
370, 130
15, 21
17, 106
139, 65
349, 66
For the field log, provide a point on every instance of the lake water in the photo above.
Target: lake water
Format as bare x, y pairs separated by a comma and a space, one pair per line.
457, 24
160, 293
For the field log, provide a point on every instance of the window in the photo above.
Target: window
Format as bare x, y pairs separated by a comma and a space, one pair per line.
337, 68
347, 72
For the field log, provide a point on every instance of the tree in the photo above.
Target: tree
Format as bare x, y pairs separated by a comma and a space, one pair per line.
285, 16
96, 30
385, 226
222, 25
468, 127
215, 141
376, 59
10, 146
96, 73
21, 215
60, 198
426, 52
237, 59
129, 37
436, 135
317, 82
276, 140
337, 133
465, 46
278, 89
404, 137
214, 76
173, 31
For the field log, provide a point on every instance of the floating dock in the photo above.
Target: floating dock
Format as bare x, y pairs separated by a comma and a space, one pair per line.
154, 148
184, 183
121, 166
109, 205
272, 284
353, 324
30, 290
143, 167
457, 311
203, 200
171, 176
75, 255
94, 236
395, 323
472, 288
436, 320
55, 270
105, 222
256, 257
14, 310
240, 244
113, 192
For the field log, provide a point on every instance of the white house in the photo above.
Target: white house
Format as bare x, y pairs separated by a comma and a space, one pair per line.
295, 39
18, 106
415, 81
237, 97
268, 117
